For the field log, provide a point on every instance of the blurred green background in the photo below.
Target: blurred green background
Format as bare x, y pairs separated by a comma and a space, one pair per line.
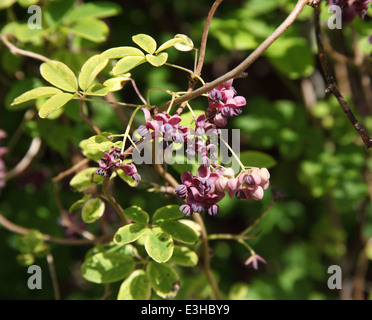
321, 163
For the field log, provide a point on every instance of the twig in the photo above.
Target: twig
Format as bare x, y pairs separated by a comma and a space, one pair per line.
15, 50
77, 242
203, 46
33, 150
119, 210
53, 275
95, 129
237, 71
204, 236
332, 87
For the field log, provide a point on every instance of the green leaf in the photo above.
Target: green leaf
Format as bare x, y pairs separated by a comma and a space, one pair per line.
129, 233
179, 231
31, 242
292, 56
164, 279
93, 209
27, 3
167, 213
121, 52
184, 257
107, 267
6, 3
135, 287
157, 60
103, 9
116, 84
54, 103
137, 214
59, 75
36, 93
91, 29
97, 90
99, 142
257, 159
159, 245
185, 44
85, 179
127, 63
78, 204
90, 69
132, 183
168, 44
127, 250
146, 42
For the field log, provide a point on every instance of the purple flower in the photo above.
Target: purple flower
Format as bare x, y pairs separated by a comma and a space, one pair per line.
223, 104
113, 160
200, 192
351, 8
164, 126
253, 259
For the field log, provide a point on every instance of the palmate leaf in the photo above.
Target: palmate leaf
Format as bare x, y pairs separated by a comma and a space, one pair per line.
41, 92
157, 60
136, 287
93, 209
107, 267
145, 42
127, 63
159, 245
164, 279
59, 75
54, 103
90, 69
91, 29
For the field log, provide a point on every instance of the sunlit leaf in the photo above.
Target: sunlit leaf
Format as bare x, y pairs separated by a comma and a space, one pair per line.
159, 245
90, 69
146, 42
36, 93
93, 209
54, 103
59, 75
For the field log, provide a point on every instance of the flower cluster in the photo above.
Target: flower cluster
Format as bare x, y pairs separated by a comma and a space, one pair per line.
164, 126
207, 188
200, 192
113, 160
351, 8
247, 186
223, 104
3, 150
199, 141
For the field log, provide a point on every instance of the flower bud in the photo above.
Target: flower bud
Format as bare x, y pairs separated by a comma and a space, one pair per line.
257, 194
213, 210
221, 184
220, 120
186, 210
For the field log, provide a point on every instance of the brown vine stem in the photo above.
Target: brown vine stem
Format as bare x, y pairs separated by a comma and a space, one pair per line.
204, 235
119, 210
239, 70
15, 50
331, 84
75, 242
203, 46
53, 275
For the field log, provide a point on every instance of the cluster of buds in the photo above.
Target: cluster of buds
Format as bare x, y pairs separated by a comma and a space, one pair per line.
113, 160
163, 126
351, 8
198, 143
3, 150
200, 192
246, 186
223, 104
207, 188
